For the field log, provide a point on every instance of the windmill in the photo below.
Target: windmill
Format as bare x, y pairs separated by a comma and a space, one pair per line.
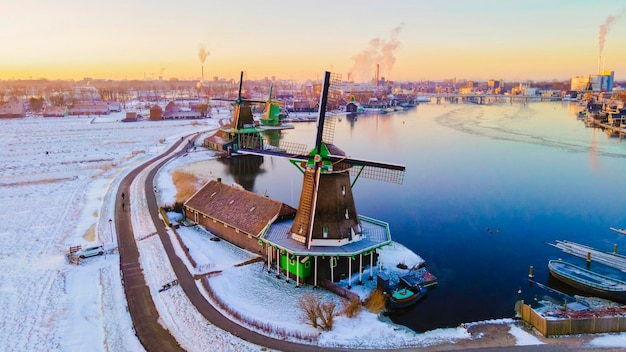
326, 213
273, 111
243, 119
242, 122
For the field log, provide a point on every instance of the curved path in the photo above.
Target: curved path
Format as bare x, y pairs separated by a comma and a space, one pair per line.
153, 336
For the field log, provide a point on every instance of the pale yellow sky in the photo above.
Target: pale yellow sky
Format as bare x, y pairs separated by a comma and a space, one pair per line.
410, 40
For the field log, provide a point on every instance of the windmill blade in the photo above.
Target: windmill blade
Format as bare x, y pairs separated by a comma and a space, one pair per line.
373, 170
242, 100
329, 102
255, 144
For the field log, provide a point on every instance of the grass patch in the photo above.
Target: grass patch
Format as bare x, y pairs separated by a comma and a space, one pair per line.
90, 235
186, 185
352, 307
376, 301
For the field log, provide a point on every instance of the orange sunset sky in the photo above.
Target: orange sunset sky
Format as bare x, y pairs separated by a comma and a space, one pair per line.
410, 40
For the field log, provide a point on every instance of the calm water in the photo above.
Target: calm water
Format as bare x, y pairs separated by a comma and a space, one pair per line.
533, 171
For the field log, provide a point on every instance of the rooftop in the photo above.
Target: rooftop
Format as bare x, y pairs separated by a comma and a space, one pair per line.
375, 235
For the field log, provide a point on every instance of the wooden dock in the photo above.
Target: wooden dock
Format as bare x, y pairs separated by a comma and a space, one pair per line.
622, 231
613, 260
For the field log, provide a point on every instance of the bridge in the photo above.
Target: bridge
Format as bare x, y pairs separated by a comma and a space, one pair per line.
457, 98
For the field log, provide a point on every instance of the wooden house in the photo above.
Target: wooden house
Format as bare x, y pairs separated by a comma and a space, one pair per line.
234, 214
12, 108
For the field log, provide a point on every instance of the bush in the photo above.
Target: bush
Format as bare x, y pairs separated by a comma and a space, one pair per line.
376, 301
309, 305
352, 307
186, 185
326, 312
316, 313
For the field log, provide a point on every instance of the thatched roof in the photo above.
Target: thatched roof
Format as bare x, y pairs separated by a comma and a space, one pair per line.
247, 211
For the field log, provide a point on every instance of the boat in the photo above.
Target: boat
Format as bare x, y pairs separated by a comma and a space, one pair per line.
418, 277
405, 297
588, 281
622, 231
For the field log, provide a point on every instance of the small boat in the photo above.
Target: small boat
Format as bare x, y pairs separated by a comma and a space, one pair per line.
405, 297
588, 281
622, 231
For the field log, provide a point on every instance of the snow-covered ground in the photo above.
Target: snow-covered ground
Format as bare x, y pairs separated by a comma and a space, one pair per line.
58, 177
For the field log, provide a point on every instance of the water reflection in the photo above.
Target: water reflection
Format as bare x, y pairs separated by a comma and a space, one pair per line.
244, 169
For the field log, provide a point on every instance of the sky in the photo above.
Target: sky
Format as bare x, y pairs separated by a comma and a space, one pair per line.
409, 40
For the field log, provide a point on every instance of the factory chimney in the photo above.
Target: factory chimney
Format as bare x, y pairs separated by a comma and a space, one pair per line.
377, 74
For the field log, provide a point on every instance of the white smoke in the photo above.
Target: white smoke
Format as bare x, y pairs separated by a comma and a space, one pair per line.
203, 54
379, 52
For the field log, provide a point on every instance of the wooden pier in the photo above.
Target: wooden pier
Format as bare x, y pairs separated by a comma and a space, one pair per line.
613, 260
622, 231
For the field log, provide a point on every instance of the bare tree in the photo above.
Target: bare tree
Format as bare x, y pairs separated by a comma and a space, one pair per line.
326, 312
309, 305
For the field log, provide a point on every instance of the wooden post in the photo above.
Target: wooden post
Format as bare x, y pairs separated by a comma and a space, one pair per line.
288, 261
269, 258
588, 258
531, 272
349, 272
615, 248
371, 264
360, 268
297, 271
278, 263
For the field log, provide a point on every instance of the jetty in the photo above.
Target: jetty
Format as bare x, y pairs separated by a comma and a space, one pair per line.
622, 231
611, 259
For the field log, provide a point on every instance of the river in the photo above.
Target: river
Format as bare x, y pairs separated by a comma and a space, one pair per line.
486, 186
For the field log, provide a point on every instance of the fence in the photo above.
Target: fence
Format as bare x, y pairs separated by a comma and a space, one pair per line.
568, 325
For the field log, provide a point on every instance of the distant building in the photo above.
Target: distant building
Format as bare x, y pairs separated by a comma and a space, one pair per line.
89, 108
156, 113
55, 111
174, 111
602, 82
12, 108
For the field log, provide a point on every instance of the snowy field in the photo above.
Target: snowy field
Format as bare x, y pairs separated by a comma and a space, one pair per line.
59, 175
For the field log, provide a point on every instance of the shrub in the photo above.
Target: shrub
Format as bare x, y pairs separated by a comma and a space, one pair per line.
309, 305
352, 307
376, 301
186, 185
326, 312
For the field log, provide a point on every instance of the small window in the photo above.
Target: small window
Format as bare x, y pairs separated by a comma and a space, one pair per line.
307, 264
343, 190
325, 231
300, 229
347, 217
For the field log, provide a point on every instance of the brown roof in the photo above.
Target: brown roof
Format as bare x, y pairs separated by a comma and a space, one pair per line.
247, 211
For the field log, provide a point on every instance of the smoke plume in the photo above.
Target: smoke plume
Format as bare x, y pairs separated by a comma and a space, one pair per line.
604, 28
379, 52
203, 54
